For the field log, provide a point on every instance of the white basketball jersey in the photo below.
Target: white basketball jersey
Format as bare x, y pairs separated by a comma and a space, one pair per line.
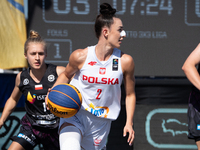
100, 84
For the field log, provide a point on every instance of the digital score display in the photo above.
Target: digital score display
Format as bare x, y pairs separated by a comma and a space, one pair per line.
160, 34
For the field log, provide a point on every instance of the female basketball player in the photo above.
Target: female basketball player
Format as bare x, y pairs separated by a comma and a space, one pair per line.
38, 124
99, 71
193, 75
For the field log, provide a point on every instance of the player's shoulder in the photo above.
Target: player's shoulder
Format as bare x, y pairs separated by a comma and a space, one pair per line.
17, 80
79, 55
80, 52
126, 58
19, 74
127, 62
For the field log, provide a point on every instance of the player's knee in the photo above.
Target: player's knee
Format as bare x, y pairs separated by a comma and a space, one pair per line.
70, 144
70, 138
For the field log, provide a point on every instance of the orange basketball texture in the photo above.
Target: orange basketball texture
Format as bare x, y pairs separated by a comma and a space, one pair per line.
64, 100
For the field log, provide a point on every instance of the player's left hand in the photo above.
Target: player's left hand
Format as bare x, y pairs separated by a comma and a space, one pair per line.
131, 135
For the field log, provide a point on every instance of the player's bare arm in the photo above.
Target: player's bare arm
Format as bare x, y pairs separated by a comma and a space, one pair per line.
129, 82
60, 69
11, 102
76, 61
189, 67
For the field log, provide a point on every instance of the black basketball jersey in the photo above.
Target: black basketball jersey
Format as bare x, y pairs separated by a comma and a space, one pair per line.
35, 94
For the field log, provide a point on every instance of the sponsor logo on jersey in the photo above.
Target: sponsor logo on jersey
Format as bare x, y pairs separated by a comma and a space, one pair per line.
102, 71
98, 111
39, 87
92, 63
111, 81
51, 78
97, 142
44, 117
115, 65
20, 135
31, 98
41, 97
26, 81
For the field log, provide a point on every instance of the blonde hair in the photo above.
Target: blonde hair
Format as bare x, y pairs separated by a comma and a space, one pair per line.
34, 37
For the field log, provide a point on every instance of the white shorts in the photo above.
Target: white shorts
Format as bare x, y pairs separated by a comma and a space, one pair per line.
94, 130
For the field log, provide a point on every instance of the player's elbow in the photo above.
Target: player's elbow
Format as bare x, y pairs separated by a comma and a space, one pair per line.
184, 67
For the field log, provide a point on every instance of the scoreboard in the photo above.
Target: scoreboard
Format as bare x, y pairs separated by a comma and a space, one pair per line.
160, 34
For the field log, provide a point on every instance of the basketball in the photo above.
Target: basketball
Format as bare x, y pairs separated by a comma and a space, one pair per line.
64, 100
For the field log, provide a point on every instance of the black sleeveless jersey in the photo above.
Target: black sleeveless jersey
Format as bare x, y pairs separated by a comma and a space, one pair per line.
35, 94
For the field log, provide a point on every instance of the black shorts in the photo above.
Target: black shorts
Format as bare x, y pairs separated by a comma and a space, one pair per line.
29, 137
194, 116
